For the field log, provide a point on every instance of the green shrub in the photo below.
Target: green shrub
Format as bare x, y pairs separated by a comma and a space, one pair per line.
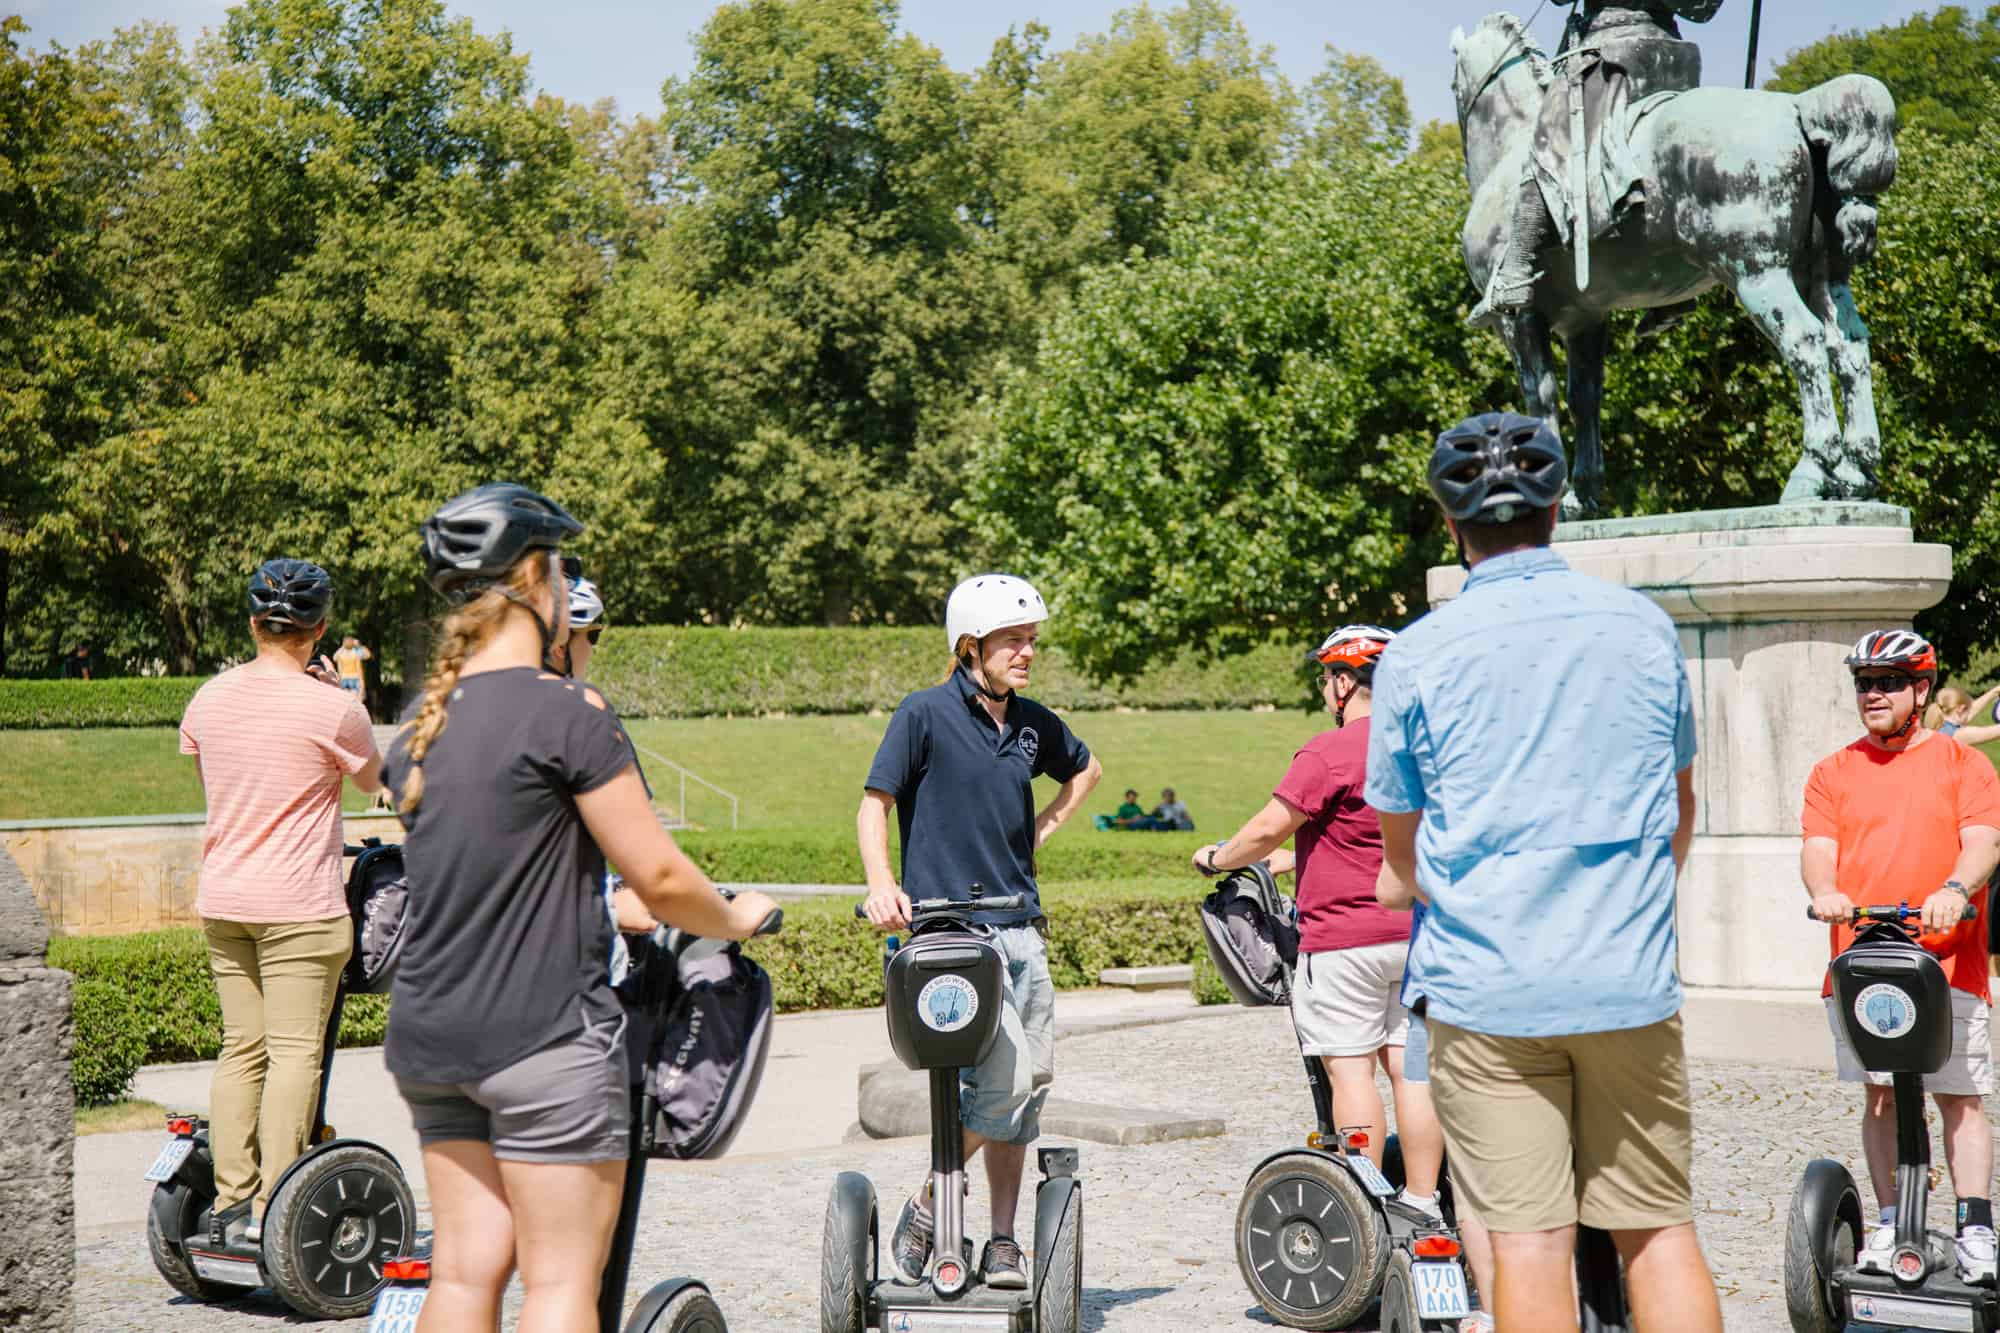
830, 857
704, 671
110, 1041
122, 701
1208, 986
149, 999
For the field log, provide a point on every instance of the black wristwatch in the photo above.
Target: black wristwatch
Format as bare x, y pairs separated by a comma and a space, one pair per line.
1957, 888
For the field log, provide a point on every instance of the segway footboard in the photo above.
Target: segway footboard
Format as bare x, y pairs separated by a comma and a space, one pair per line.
1875, 1300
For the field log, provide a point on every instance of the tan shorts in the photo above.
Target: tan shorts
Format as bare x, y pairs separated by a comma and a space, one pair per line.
1968, 1072
1349, 1001
1546, 1132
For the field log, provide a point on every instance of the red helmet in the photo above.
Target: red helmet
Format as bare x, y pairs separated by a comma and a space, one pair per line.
1354, 648
1898, 649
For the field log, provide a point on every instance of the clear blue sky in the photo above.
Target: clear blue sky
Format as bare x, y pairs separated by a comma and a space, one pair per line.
587, 49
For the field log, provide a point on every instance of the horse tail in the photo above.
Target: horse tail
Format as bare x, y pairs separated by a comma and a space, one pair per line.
1850, 124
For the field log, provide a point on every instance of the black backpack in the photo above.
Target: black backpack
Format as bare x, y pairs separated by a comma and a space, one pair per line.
1252, 934
703, 1030
378, 895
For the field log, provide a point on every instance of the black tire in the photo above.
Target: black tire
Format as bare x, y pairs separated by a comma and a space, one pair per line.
1399, 1296
847, 1241
1305, 1220
1815, 1249
176, 1201
1059, 1273
692, 1310
335, 1217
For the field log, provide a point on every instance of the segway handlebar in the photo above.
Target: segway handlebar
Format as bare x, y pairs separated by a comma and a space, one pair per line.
1899, 913
921, 907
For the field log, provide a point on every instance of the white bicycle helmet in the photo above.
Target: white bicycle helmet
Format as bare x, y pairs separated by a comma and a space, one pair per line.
988, 602
586, 608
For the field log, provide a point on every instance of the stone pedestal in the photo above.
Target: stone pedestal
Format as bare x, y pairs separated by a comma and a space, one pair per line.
38, 1244
1767, 601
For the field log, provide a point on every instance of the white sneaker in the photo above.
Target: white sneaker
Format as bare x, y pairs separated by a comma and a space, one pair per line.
1431, 1207
1977, 1249
1877, 1249
1477, 1322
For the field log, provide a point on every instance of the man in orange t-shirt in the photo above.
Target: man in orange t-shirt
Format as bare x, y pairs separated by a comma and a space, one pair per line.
1907, 815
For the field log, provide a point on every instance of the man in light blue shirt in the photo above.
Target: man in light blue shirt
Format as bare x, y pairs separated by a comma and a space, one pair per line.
1531, 763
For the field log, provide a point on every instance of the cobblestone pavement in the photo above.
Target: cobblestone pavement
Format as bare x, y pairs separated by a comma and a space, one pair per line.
1158, 1257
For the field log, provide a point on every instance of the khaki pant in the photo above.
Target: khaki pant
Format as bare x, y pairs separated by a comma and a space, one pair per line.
277, 982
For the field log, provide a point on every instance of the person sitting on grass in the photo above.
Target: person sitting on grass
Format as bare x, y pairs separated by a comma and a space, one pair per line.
1170, 815
1130, 814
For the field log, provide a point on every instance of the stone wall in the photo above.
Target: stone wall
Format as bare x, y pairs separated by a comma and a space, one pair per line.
37, 1107
118, 876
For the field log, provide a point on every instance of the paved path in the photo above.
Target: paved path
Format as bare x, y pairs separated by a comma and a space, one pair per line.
1158, 1255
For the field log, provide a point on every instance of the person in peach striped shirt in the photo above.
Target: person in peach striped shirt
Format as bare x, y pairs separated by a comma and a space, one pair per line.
272, 740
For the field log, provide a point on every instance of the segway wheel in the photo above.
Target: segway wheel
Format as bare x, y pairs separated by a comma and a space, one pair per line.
335, 1217
690, 1309
1312, 1246
1059, 1286
1399, 1296
176, 1214
1822, 1236
846, 1252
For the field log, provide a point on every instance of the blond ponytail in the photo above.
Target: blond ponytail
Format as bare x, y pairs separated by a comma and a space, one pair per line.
464, 632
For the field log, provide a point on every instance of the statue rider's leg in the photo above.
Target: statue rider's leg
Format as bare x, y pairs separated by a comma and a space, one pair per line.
1512, 287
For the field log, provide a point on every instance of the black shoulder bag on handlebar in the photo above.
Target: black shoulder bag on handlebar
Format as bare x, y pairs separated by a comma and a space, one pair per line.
378, 894
704, 1025
1252, 933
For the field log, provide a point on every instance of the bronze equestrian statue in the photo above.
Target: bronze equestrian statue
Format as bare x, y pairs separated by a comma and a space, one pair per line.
1610, 181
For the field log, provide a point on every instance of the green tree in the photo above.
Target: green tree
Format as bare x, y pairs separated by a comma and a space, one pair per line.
1943, 67
1354, 105
1229, 440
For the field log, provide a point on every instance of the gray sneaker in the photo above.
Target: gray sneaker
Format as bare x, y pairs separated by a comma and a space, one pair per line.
1001, 1265
910, 1247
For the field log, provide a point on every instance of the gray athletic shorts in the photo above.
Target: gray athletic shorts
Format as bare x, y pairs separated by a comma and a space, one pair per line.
565, 1103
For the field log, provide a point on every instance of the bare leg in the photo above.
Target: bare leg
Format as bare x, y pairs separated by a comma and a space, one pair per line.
1478, 1242
472, 1247
1004, 1164
1533, 1288
1878, 1142
1772, 299
1668, 1281
1586, 397
1417, 1127
563, 1214
1968, 1144
1356, 1104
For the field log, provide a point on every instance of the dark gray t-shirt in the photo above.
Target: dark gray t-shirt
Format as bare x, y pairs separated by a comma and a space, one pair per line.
506, 943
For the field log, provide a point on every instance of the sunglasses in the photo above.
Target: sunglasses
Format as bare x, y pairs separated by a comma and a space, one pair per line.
1882, 684
590, 635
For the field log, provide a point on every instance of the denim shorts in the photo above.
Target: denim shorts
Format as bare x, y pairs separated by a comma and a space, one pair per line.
568, 1102
1002, 1096
1417, 1051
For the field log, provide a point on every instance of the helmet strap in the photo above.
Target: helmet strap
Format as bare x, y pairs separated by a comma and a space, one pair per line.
543, 627
977, 675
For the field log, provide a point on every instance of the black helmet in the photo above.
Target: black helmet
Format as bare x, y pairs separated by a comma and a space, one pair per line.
475, 538
1496, 466
290, 594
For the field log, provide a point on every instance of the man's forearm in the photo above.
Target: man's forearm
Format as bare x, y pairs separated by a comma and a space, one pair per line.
1396, 887
1069, 798
1976, 859
871, 829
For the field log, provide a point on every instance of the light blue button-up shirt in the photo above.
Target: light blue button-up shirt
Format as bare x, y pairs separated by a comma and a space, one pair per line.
1538, 722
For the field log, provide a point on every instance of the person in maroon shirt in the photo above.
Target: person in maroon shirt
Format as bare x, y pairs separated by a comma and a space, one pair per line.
1347, 990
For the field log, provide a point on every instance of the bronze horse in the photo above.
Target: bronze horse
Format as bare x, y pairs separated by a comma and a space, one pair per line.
1768, 193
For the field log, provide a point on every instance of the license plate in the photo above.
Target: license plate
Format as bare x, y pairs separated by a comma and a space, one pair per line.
1441, 1290
946, 1321
1904, 1312
396, 1309
169, 1161
1371, 1175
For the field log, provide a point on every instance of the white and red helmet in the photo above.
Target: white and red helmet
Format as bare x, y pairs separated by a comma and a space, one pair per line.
1354, 648
1896, 649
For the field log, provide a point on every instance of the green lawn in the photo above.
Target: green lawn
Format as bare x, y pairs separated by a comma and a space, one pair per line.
789, 773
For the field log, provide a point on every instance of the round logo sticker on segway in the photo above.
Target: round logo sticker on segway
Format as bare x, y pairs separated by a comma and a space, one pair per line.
947, 1003
1885, 1010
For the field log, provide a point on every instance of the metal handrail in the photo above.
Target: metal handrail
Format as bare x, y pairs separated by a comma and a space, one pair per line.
689, 775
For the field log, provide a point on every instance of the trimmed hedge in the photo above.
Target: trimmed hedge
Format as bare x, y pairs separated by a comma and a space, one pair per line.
149, 999
121, 701
703, 671
831, 857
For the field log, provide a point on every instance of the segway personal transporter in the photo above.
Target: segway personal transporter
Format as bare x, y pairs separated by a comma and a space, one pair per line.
1892, 1000
668, 967
943, 997
338, 1211
1320, 1234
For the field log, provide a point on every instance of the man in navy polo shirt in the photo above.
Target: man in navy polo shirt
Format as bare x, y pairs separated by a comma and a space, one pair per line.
958, 764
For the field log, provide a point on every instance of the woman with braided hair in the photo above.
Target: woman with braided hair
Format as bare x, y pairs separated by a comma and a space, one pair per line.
515, 784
